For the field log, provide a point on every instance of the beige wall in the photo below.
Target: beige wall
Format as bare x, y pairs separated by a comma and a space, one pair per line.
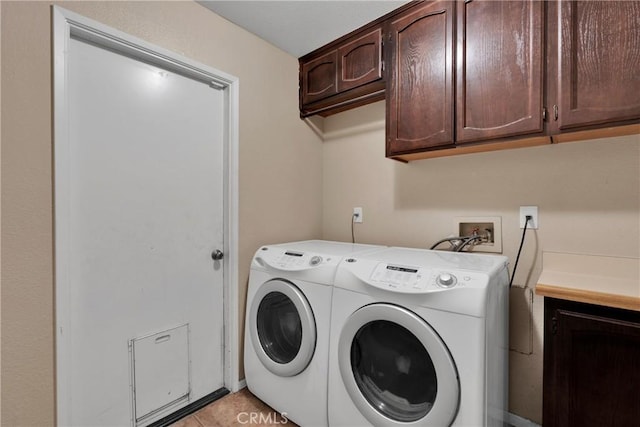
280, 166
588, 194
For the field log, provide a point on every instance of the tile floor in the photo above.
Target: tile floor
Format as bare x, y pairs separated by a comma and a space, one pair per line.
237, 409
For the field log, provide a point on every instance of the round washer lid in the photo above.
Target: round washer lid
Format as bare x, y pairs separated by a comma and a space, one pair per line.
282, 328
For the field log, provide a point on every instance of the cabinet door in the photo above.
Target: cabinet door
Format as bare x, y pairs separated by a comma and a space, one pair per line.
420, 78
591, 365
599, 51
360, 61
318, 78
499, 69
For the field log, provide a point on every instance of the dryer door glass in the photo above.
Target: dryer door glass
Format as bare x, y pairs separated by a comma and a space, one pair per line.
393, 371
282, 328
396, 368
279, 327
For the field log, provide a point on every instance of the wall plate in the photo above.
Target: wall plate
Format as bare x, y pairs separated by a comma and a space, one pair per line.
531, 211
491, 240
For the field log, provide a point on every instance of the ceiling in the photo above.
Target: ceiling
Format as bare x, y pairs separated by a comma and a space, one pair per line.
299, 27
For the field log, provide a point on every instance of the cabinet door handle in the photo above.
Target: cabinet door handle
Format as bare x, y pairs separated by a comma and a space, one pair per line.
544, 114
555, 113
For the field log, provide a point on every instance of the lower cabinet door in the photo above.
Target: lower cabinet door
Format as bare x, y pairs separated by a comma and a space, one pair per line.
591, 365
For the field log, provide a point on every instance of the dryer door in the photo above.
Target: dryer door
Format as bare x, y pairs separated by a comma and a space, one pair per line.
396, 368
282, 328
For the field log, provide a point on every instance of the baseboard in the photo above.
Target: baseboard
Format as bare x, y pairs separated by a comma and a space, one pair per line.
191, 408
241, 384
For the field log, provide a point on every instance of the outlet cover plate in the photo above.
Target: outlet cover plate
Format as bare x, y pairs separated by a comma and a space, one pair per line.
460, 223
357, 211
533, 212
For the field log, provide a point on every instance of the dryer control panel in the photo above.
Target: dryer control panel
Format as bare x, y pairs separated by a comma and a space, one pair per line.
288, 260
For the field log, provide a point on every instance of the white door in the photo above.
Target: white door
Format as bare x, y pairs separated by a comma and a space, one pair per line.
145, 205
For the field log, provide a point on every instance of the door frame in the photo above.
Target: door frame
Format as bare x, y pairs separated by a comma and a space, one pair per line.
65, 25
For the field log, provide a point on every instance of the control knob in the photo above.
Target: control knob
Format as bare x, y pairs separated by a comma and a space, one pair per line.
315, 260
446, 280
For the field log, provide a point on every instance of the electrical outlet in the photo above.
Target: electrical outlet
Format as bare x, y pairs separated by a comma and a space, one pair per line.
357, 214
489, 228
531, 211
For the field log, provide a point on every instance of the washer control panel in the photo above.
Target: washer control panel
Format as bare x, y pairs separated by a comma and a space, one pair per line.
397, 277
413, 280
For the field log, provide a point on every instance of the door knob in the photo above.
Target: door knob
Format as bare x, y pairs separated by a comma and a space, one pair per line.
217, 255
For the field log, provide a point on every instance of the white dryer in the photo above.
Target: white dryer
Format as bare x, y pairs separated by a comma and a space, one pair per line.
286, 345
419, 338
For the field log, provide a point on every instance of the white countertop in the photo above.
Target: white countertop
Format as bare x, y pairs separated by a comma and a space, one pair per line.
603, 280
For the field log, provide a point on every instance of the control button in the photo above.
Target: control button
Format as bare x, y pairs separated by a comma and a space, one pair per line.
315, 260
446, 280
351, 260
466, 278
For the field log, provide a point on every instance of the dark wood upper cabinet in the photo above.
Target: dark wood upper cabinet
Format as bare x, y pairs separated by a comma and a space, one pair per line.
345, 74
591, 365
419, 57
360, 61
598, 50
480, 75
319, 77
499, 76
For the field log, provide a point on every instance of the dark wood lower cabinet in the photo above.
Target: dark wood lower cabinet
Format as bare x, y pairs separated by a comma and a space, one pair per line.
591, 365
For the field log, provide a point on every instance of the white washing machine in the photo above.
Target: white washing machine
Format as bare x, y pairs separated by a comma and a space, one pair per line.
419, 338
286, 345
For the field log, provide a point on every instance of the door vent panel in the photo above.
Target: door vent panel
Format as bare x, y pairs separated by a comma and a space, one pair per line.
160, 372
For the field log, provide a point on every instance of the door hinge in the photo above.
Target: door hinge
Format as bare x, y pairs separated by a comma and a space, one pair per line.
216, 85
382, 66
555, 113
544, 114
554, 325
